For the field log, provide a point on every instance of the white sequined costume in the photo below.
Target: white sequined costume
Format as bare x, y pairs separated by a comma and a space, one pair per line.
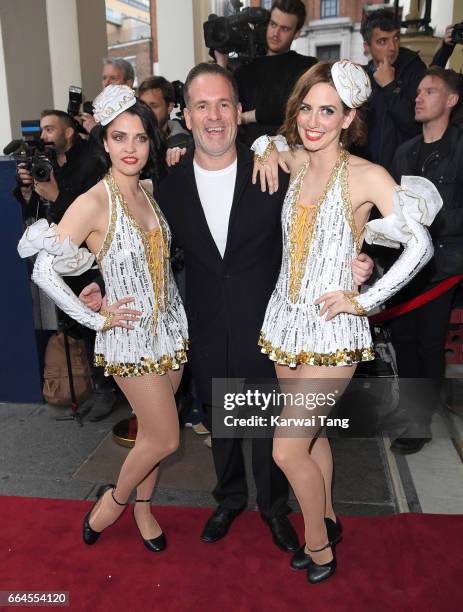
133, 263
319, 245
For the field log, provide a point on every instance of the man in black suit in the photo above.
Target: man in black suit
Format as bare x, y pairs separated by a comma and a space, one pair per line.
230, 232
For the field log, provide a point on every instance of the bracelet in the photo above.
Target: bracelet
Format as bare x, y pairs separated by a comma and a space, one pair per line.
359, 309
109, 319
262, 159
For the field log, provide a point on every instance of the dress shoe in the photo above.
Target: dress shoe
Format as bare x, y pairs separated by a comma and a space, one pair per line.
408, 446
154, 544
219, 523
283, 534
317, 573
300, 560
90, 535
334, 530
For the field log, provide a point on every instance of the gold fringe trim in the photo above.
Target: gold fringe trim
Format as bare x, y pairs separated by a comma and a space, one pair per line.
341, 357
145, 365
111, 227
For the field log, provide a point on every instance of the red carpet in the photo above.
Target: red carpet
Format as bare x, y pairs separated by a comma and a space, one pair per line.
408, 562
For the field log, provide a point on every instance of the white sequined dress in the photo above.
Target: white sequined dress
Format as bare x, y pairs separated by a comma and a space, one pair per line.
133, 263
319, 245
136, 263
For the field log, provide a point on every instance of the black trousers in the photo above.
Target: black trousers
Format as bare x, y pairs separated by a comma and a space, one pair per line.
418, 338
231, 490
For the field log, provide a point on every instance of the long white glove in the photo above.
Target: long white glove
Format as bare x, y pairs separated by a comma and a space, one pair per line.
416, 202
54, 259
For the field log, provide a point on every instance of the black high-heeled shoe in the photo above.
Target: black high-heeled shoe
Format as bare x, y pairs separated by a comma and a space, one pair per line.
90, 536
154, 544
317, 573
300, 560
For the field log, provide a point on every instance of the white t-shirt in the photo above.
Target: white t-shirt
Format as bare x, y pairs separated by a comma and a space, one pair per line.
215, 188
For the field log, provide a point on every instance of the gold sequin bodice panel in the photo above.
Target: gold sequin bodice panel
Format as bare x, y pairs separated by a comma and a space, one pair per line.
134, 262
319, 241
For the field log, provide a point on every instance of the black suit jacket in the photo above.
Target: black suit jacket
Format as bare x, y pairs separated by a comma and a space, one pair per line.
225, 298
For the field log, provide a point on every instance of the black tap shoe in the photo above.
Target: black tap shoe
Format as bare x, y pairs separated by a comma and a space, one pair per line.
155, 544
300, 560
318, 573
90, 536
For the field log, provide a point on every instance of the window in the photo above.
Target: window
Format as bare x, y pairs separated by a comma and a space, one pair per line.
267, 4
328, 53
329, 8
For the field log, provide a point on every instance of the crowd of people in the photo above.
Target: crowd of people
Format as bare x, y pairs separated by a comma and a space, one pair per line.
271, 245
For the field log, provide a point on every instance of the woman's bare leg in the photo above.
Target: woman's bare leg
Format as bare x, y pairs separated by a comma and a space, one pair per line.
152, 399
305, 458
320, 452
147, 524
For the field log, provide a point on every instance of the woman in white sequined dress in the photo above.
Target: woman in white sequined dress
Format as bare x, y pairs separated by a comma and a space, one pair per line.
315, 327
142, 335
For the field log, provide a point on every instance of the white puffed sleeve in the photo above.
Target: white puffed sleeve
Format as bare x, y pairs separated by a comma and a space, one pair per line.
416, 202
54, 259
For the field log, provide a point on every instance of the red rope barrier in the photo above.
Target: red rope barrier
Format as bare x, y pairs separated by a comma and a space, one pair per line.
416, 302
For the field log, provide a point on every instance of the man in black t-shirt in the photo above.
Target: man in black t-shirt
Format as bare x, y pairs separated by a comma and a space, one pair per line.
266, 83
419, 336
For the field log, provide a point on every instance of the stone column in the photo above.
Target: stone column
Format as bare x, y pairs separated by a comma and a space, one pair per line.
46, 46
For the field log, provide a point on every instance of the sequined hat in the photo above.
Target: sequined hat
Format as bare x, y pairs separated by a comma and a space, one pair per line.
352, 83
111, 102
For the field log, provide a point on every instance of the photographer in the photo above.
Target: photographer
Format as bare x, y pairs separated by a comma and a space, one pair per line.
158, 93
452, 36
265, 84
73, 172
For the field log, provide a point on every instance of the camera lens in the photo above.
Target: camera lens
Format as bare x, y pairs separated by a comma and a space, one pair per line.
41, 171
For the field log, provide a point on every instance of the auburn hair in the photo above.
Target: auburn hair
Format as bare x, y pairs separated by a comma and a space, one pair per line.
320, 73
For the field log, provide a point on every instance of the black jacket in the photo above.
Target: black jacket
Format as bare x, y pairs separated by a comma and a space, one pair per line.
444, 168
265, 85
225, 298
391, 109
80, 172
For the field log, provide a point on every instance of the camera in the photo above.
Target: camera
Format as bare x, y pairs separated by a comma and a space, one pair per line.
179, 99
38, 157
242, 33
457, 33
75, 102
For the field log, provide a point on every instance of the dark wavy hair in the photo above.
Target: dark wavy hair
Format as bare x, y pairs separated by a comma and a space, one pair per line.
384, 19
155, 167
320, 73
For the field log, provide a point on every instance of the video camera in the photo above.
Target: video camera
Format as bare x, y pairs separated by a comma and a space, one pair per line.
457, 34
243, 33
